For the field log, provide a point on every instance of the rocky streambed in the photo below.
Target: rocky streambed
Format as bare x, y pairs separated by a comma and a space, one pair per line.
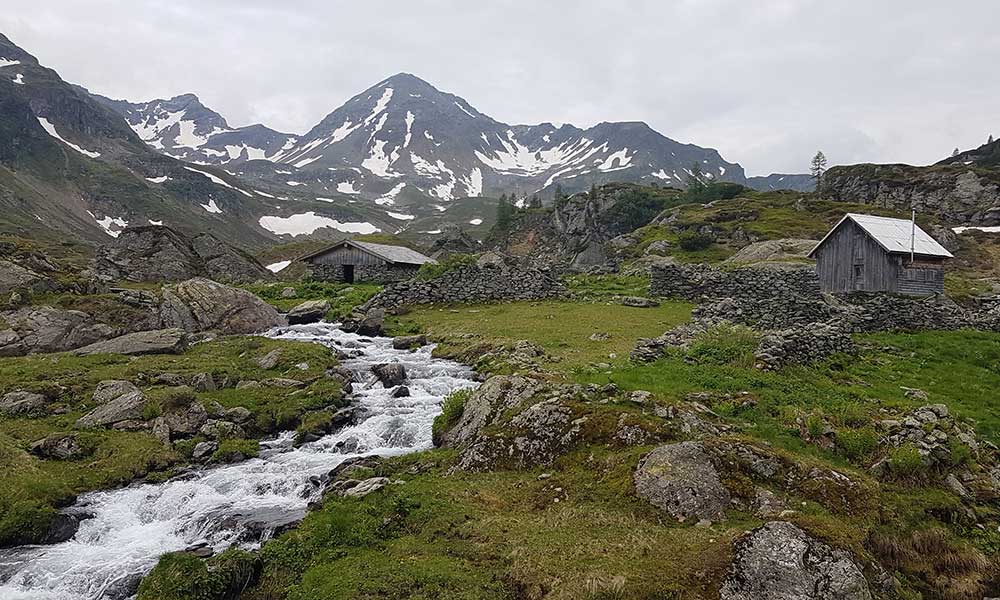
242, 504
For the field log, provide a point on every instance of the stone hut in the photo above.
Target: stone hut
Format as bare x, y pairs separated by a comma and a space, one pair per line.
865, 253
352, 261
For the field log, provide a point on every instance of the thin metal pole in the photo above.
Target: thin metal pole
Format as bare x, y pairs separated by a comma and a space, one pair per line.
913, 232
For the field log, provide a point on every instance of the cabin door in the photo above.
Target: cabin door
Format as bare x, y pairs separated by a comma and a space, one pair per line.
858, 264
348, 273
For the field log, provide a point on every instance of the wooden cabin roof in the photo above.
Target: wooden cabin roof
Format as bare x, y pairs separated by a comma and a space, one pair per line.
388, 253
894, 235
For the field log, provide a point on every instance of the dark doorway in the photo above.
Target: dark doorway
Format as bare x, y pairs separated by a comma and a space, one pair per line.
348, 273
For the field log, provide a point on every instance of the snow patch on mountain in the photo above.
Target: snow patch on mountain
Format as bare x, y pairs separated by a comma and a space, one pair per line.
307, 223
212, 208
219, 181
51, 130
6, 62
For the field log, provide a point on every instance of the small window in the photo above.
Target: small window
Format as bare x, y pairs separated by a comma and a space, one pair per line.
859, 270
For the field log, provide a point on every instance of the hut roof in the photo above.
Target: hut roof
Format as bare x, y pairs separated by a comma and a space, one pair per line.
894, 235
393, 254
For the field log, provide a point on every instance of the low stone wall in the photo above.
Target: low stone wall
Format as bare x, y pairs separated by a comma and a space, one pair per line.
694, 282
471, 283
800, 324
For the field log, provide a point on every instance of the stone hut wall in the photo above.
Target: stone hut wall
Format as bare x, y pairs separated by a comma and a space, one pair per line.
374, 273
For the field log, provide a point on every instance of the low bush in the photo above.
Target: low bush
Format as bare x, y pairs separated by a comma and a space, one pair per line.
435, 270
857, 444
236, 449
182, 576
451, 411
692, 241
905, 462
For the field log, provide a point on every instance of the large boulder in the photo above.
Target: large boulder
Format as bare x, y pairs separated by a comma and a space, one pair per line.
783, 250
779, 561
36, 329
496, 396
22, 404
226, 263
158, 253
16, 277
159, 341
372, 323
120, 401
310, 311
681, 480
202, 304
390, 374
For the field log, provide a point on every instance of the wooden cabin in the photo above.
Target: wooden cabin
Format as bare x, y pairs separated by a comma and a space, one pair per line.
351, 261
865, 253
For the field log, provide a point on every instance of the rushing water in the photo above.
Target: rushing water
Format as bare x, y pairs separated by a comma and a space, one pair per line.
133, 526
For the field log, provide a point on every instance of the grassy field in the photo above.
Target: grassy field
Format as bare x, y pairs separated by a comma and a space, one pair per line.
563, 329
30, 486
342, 296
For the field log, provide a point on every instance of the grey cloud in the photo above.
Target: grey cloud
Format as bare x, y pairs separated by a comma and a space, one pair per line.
764, 82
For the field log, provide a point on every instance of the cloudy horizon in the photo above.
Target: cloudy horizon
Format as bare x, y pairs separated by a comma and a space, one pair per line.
766, 85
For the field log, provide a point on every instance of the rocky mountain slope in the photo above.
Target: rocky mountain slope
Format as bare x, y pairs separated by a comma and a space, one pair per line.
403, 133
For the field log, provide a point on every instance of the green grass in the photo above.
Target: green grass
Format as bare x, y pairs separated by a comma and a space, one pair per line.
30, 487
590, 287
561, 328
451, 411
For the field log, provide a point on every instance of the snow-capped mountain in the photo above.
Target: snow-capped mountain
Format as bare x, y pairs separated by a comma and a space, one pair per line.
404, 134
184, 128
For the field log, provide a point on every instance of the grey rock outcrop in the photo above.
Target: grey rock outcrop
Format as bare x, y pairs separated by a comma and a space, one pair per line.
159, 341
22, 404
37, 329
158, 253
202, 305
310, 311
497, 395
779, 561
15, 277
406, 342
681, 480
371, 324
121, 400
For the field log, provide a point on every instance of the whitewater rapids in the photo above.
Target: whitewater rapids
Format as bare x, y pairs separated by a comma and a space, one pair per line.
222, 506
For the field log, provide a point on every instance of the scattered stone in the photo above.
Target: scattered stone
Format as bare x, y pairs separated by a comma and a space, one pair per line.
401, 392
406, 342
161, 341
372, 323
681, 480
658, 248
289, 293
186, 421
365, 487
310, 311
639, 302
23, 404
390, 374
914, 393
269, 360
248, 384
282, 382
238, 414
600, 337
218, 430
35, 329
202, 550
779, 561
59, 446
120, 401
204, 450
203, 382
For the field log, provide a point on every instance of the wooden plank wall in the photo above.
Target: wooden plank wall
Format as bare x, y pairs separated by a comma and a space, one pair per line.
347, 255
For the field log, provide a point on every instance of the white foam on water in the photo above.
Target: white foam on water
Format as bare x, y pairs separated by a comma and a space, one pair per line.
133, 526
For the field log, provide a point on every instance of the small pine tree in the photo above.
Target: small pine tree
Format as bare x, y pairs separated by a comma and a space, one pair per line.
505, 214
558, 193
955, 152
818, 169
536, 202
990, 140
593, 191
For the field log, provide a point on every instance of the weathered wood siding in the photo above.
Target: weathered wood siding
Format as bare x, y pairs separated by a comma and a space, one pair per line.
346, 255
851, 261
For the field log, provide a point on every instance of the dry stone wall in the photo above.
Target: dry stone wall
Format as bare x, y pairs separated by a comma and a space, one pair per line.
489, 282
800, 324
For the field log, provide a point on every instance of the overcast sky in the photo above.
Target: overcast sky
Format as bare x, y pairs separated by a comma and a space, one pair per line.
765, 82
